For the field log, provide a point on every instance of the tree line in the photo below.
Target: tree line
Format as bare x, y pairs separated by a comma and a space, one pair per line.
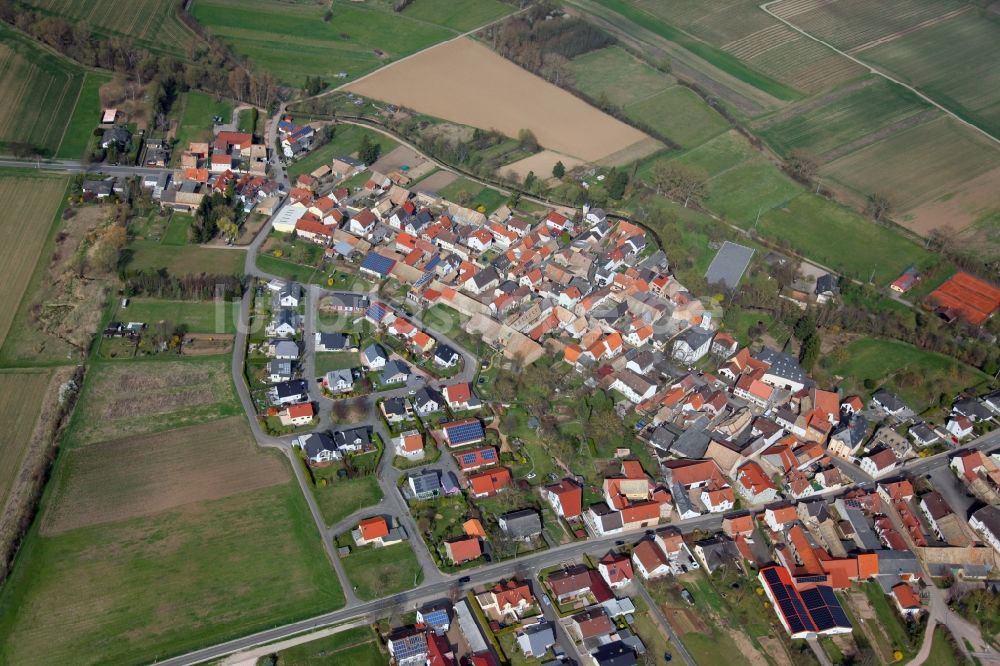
161, 284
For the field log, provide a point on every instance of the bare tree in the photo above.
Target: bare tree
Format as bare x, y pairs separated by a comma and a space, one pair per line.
680, 182
878, 206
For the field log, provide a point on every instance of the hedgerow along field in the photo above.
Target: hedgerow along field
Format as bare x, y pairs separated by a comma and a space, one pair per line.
30, 202
40, 91
293, 40
140, 397
151, 23
21, 395
137, 589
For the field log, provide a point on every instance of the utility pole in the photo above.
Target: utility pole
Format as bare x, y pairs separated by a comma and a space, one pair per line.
757, 219
818, 183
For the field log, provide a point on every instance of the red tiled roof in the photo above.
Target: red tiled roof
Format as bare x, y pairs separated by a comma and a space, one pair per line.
490, 482
373, 528
463, 549
570, 497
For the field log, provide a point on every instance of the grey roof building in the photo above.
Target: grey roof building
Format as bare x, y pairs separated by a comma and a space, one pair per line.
536, 639
522, 524
729, 264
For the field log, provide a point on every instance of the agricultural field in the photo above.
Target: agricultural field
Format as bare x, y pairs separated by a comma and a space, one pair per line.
919, 377
918, 165
457, 15
355, 40
197, 316
954, 62
130, 398
749, 188
358, 646
345, 141
40, 91
171, 581
862, 115
377, 572
143, 255
678, 114
78, 136
30, 203
560, 121
148, 474
198, 110
152, 23
21, 396
617, 75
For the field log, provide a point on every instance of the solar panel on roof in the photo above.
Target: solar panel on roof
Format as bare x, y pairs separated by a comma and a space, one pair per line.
468, 458
436, 617
811, 579
377, 263
409, 647
466, 432
488, 455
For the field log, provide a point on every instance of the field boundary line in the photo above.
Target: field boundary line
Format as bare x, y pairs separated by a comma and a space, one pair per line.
879, 72
927, 23
646, 98
79, 93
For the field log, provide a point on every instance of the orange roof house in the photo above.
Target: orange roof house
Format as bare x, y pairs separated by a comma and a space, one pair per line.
464, 549
737, 524
473, 527
566, 497
373, 528
490, 482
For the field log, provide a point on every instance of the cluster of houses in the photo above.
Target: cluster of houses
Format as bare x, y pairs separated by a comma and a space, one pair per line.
288, 393
323, 448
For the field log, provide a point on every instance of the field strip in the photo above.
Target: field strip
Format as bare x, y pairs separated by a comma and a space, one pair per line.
58, 105
812, 104
651, 95
900, 125
875, 70
920, 26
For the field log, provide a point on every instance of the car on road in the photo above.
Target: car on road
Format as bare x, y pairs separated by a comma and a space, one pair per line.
464, 579
619, 543
413, 391
530, 475
545, 600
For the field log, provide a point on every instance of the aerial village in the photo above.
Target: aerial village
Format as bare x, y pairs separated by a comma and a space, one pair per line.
748, 465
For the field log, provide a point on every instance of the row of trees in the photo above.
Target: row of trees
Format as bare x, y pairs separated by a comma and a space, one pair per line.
201, 287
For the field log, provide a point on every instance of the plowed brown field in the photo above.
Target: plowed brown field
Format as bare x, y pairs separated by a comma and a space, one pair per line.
465, 82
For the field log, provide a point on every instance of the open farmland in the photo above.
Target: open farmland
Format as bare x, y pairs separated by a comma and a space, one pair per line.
29, 203
139, 589
617, 75
864, 114
357, 38
39, 90
459, 15
919, 165
678, 114
21, 395
129, 398
955, 62
153, 23
497, 92
149, 474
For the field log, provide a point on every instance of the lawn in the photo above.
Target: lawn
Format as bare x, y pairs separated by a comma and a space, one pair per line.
290, 270
197, 316
889, 623
79, 130
618, 75
358, 646
751, 187
342, 497
141, 589
680, 115
713, 157
177, 229
40, 90
943, 649
198, 119
246, 120
146, 255
378, 572
21, 395
125, 398
345, 142
927, 375
472, 195
356, 39
841, 239
30, 203
327, 361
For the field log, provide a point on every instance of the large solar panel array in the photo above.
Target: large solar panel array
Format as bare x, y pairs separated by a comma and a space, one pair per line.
789, 603
377, 263
824, 608
810, 579
466, 432
436, 618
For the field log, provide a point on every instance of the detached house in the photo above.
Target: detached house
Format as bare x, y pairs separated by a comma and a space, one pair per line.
754, 485
692, 344
566, 498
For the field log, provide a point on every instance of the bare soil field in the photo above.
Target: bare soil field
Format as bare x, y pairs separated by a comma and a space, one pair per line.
436, 182
397, 158
541, 163
497, 94
128, 398
141, 476
206, 344
957, 210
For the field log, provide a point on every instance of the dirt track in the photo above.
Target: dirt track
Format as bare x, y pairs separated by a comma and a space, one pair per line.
465, 82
